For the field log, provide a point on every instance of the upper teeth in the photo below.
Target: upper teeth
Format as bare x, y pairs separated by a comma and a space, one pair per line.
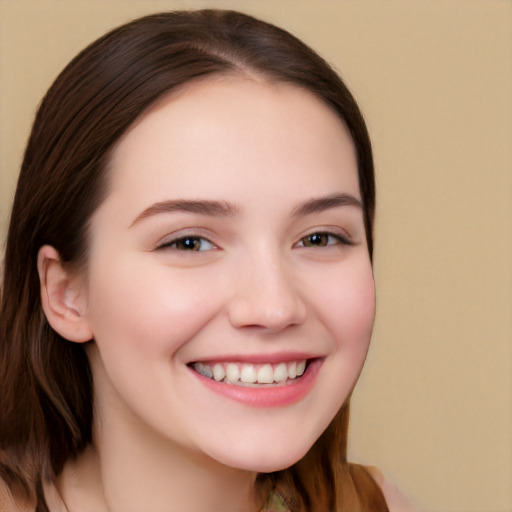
241, 373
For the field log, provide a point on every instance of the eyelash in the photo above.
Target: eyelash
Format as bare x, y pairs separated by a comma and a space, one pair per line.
325, 238
338, 239
173, 244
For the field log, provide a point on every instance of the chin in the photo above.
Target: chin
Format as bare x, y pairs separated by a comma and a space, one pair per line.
265, 459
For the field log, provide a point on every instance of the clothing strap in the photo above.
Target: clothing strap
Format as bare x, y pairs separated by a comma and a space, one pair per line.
276, 502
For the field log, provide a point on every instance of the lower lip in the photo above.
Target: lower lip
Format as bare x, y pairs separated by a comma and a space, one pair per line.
267, 396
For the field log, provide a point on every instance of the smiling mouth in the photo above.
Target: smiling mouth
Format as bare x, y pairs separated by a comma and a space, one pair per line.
252, 375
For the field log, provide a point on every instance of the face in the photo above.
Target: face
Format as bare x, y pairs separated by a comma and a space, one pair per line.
229, 287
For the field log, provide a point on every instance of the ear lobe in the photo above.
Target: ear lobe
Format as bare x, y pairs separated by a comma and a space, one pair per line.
62, 297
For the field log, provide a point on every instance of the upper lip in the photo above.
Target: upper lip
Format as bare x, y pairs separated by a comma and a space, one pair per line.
274, 358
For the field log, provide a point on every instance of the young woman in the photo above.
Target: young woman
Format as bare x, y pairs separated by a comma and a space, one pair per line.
188, 295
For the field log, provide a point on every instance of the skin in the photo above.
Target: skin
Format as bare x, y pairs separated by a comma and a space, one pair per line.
259, 285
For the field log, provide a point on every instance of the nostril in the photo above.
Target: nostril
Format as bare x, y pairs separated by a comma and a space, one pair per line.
266, 311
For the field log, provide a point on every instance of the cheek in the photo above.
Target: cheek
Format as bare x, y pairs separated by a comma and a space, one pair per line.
146, 307
348, 307
347, 310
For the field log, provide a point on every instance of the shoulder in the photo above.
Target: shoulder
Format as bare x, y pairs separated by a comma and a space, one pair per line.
395, 499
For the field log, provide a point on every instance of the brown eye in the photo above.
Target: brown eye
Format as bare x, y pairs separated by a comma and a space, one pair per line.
189, 244
320, 240
316, 240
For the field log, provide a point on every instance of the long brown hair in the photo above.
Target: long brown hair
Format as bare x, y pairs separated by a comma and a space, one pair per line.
46, 400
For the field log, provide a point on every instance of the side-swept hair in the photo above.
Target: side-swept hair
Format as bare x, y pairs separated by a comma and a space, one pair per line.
46, 398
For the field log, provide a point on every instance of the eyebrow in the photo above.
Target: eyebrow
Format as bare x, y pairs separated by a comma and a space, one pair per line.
320, 204
225, 209
202, 207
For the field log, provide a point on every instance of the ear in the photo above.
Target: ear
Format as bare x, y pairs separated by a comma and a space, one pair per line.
62, 297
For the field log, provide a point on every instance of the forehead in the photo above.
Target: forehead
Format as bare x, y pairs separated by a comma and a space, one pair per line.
212, 132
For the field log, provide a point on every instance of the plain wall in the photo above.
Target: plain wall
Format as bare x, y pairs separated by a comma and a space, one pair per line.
433, 408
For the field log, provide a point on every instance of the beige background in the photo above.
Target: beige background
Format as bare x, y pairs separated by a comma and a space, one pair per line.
434, 78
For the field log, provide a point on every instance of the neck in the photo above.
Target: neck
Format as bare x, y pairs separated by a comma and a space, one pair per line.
134, 468
110, 483
134, 478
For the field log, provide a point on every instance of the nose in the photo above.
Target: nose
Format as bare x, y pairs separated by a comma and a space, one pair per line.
265, 296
